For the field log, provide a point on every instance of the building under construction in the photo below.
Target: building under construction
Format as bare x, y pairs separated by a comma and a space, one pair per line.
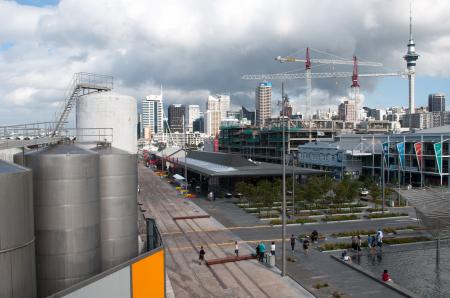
265, 144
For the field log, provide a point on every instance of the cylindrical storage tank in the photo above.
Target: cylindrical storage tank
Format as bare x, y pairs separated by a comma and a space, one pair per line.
67, 216
17, 259
118, 206
108, 110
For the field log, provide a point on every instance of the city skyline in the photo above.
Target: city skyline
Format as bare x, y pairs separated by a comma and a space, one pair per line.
39, 58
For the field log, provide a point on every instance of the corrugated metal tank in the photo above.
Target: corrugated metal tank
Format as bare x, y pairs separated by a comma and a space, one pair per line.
17, 259
67, 216
109, 110
118, 205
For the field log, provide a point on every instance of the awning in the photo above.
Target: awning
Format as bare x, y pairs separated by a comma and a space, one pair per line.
178, 177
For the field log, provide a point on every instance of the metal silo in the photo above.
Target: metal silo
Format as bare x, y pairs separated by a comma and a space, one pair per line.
67, 216
17, 259
108, 110
118, 205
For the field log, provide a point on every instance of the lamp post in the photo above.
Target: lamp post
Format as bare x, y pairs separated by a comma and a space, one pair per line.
283, 216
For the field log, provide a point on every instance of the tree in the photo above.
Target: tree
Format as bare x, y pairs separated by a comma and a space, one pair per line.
246, 189
265, 194
346, 191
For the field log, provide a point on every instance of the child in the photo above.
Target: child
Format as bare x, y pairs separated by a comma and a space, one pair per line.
386, 276
272, 248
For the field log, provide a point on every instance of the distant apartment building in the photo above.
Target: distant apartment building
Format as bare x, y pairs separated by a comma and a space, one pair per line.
219, 102
263, 103
176, 116
152, 114
426, 120
347, 111
212, 122
192, 113
436, 102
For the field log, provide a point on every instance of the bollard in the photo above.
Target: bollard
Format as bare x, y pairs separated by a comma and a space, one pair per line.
150, 222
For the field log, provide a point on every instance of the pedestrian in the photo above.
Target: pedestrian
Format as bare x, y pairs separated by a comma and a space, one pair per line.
262, 249
201, 255
257, 251
293, 242
380, 238
354, 243
369, 241
359, 244
272, 248
306, 244
385, 276
236, 248
314, 236
139, 189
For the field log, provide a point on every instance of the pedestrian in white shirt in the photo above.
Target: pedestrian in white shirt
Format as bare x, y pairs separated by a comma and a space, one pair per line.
236, 248
272, 248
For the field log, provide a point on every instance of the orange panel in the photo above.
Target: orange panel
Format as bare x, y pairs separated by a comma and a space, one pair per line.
148, 276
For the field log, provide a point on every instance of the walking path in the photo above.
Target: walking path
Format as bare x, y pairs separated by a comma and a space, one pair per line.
183, 238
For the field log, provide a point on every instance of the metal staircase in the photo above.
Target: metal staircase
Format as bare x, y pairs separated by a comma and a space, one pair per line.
82, 83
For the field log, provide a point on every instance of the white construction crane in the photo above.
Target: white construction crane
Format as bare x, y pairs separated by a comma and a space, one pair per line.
308, 61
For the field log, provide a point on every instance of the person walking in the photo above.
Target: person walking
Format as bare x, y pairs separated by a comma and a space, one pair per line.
293, 242
314, 236
201, 255
380, 238
306, 244
359, 244
236, 248
262, 250
354, 243
272, 248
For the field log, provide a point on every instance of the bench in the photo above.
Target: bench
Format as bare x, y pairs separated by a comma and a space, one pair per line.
229, 259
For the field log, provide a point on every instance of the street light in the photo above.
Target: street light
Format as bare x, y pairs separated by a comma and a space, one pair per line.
283, 209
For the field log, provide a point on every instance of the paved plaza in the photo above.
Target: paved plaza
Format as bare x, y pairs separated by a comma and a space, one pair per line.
183, 238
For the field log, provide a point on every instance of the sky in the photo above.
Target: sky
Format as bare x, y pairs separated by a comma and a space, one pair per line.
194, 48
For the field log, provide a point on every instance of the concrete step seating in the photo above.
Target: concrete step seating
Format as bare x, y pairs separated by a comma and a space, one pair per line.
191, 217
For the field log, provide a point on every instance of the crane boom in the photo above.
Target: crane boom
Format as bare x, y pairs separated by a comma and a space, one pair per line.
317, 75
326, 61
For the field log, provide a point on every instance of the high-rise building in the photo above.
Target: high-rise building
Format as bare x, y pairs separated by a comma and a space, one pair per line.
347, 111
152, 113
192, 113
411, 58
212, 122
199, 124
436, 102
176, 117
219, 102
263, 103
248, 115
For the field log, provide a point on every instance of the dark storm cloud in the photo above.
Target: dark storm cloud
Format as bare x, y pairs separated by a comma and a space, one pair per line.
194, 48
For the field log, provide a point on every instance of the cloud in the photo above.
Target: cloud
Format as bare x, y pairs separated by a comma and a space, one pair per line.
198, 47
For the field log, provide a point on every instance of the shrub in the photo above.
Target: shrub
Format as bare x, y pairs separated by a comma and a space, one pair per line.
406, 240
333, 246
374, 209
353, 233
339, 217
320, 285
381, 215
304, 220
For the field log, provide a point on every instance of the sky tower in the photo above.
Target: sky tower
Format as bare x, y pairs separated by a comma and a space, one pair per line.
410, 58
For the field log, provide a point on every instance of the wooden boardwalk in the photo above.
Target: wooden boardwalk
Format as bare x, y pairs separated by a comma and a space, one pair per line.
183, 239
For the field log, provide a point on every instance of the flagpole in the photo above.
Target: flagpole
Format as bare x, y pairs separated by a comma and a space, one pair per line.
442, 147
421, 161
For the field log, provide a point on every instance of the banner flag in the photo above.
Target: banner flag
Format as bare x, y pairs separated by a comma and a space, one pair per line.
401, 153
438, 154
418, 149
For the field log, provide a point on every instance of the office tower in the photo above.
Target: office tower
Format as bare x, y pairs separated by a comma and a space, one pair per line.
152, 113
219, 102
212, 122
436, 102
176, 117
248, 115
347, 111
192, 113
199, 124
263, 103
